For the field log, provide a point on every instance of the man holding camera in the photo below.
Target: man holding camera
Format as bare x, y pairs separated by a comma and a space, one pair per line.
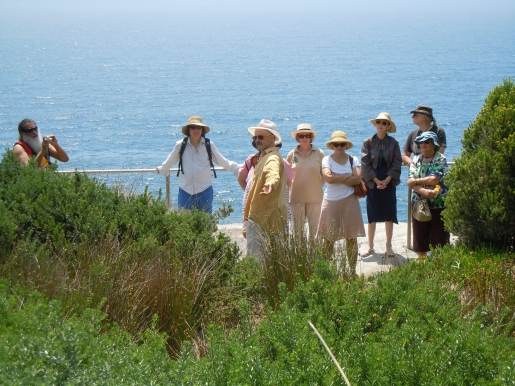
31, 144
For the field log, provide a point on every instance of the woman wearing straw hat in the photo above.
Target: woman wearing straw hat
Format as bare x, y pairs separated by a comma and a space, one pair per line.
306, 191
381, 168
340, 215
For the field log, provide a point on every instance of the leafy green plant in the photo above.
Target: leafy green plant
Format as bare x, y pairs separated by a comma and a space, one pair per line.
480, 205
79, 241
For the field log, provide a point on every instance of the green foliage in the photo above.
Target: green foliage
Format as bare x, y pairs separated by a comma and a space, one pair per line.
412, 326
7, 231
420, 324
79, 241
480, 205
39, 347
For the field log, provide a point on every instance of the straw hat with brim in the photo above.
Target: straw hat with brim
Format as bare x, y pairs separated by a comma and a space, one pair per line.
303, 128
424, 110
392, 128
428, 136
194, 120
268, 125
338, 136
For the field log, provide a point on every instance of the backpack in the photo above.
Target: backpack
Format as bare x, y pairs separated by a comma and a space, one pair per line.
209, 155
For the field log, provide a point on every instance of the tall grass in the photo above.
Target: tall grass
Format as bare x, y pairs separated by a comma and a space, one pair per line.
77, 240
290, 261
133, 286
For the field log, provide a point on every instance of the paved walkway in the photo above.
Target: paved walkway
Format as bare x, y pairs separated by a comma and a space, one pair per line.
366, 266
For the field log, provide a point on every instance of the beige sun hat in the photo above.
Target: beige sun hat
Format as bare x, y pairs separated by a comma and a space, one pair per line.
338, 136
392, 128
268, 125
195, 120
303, 128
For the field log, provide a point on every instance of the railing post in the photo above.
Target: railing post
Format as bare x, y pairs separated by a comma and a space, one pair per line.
408, 222
167, 200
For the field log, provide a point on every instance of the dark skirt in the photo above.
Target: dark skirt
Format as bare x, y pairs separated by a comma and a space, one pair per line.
382, 204
431, 233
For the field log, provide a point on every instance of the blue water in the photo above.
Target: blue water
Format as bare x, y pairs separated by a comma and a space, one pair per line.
116, 90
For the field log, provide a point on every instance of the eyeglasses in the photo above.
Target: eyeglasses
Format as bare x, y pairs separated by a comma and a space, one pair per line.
384, 123
300, 136
339, 145
260, 137
29, 129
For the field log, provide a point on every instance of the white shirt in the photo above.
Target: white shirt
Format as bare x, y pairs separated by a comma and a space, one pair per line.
334, 192
197, 175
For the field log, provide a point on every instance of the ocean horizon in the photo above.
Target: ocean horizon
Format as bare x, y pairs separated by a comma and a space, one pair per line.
116, 91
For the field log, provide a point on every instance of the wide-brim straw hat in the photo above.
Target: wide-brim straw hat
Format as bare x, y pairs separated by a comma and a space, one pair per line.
303, 128
194, 120
338, 136
392, 127
268, 125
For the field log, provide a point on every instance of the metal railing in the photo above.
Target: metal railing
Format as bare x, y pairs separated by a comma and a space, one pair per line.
133, 171
172, 170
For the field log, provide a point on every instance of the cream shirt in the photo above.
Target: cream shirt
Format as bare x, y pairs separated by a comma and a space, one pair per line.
198, 175
307, 184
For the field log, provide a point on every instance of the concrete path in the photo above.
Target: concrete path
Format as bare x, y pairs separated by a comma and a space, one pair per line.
366, 266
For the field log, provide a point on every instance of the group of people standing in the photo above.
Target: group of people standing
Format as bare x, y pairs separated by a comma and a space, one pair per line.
319, 193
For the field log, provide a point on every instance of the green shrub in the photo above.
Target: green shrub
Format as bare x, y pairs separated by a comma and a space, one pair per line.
7, 231
40, 346
480, 205
411, 326
79, 241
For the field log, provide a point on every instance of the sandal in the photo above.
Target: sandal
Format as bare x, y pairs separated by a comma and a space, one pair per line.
370, 252
389, 253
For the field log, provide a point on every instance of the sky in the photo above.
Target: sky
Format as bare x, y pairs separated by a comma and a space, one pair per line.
226, 8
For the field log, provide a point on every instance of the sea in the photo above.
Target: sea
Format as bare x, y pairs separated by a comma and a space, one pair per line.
115, 90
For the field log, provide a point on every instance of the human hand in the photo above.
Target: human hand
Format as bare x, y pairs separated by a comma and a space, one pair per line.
267, 189
50, 139
412, 183
162, 171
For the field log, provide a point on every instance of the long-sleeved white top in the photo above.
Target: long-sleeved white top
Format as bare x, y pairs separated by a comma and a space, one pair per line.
197, 175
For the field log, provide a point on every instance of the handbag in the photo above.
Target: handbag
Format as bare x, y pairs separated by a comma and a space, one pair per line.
360, 190
420, 211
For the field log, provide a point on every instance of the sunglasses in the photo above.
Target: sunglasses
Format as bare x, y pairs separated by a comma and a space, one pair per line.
384, 123
260, 137
300, 136
339, 144
29, 129
195, 128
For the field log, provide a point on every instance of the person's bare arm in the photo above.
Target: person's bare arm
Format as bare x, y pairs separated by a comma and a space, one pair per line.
347, 179
406, 158
425, 193
55, 150
20, 155
423, 181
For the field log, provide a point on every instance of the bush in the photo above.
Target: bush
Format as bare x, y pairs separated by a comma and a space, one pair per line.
412, 326
40, 346
7, 231
480, 205
79, 241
